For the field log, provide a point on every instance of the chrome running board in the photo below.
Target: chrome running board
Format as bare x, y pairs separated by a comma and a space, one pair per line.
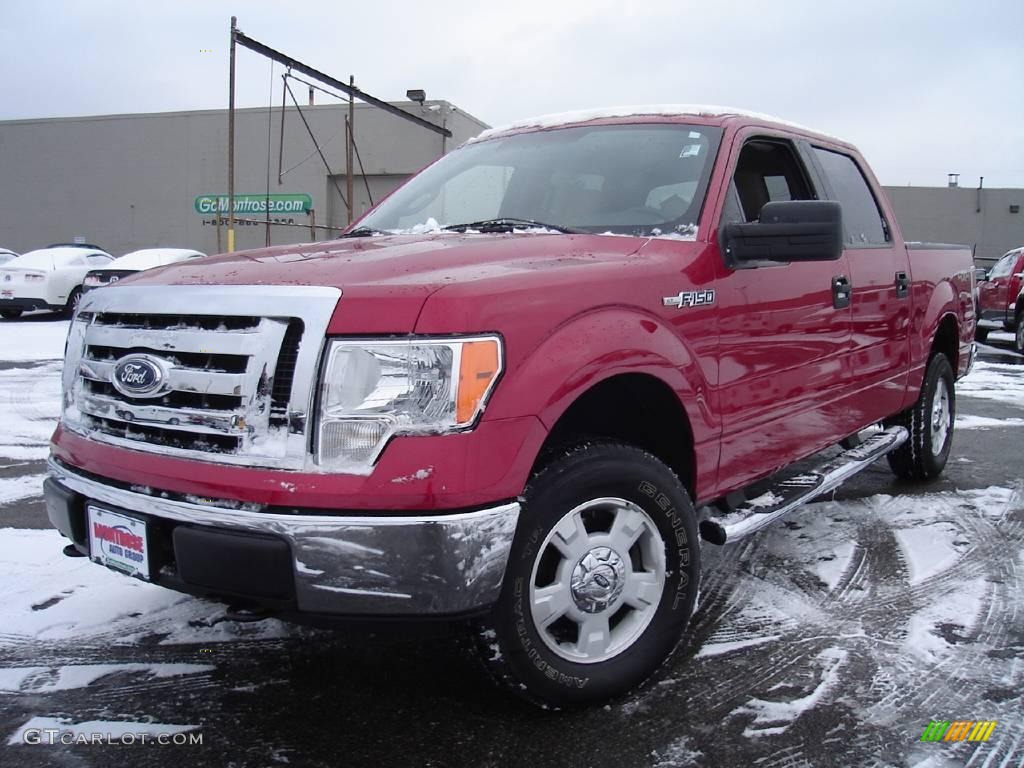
794, 491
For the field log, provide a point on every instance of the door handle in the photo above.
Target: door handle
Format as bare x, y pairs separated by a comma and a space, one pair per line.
841, 291
902, 285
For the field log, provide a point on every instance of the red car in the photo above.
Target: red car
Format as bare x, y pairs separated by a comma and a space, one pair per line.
1001, 298
515, 391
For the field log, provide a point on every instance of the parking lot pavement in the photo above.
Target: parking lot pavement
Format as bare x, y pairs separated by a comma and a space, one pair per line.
830, 639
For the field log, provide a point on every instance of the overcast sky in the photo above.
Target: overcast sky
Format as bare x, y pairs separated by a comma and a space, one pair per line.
923, 88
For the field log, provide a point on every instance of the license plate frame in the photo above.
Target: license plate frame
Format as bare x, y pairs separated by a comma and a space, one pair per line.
119, 541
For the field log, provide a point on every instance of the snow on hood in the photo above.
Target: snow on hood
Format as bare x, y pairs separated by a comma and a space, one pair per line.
583, 115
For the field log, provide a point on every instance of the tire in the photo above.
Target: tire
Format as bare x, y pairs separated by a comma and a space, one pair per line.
981, 335
636, 598
930, 424
10, 314
73, 299
1018, 334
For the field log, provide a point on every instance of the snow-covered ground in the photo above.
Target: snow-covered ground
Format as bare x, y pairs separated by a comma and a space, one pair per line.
830, 639
39, 336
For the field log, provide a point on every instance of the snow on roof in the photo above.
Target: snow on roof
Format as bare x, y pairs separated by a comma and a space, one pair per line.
584, 115
48, 258
152, 257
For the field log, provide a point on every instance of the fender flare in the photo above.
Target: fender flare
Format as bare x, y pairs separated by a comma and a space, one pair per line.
593, 347
944, 302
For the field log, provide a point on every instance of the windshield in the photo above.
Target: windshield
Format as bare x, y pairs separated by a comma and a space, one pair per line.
624, 179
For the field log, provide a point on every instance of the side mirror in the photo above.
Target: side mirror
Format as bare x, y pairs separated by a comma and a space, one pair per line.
793, 230
980, 274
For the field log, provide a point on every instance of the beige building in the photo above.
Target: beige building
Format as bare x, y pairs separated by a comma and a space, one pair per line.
990, 221
126, 182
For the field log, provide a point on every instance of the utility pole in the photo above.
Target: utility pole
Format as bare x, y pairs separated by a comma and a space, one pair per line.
350, 133
231, 140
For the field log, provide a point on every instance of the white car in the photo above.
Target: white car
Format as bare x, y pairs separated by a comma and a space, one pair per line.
136, 261
49, 278
6, 255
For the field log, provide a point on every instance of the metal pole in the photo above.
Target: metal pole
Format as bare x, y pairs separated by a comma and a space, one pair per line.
350, 136
231, 139
280, 146
444, 124
312, 223
270, 140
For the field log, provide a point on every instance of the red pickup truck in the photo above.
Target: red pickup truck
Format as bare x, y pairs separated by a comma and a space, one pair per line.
516, 390
1001, 298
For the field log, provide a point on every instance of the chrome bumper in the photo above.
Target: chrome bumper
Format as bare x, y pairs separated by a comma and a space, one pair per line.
392, 565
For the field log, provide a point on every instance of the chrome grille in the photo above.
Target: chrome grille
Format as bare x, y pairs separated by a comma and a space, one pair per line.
236, 386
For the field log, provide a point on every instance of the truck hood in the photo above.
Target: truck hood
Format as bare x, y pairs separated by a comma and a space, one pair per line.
386, 279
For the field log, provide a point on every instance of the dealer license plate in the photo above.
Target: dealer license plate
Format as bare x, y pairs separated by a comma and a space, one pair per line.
118, 541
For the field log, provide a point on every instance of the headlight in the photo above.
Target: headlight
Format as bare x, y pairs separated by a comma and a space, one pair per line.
372, 390
92, 280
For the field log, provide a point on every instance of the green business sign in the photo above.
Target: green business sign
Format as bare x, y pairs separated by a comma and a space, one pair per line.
286, 203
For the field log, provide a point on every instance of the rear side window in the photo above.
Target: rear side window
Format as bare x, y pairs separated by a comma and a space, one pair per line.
861, 215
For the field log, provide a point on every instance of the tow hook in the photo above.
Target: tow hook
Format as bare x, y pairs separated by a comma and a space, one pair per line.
72, 551
246, 614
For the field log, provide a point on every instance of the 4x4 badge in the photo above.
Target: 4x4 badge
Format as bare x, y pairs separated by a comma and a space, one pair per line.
690, 299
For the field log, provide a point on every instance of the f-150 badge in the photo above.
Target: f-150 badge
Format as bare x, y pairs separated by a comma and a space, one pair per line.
690, 299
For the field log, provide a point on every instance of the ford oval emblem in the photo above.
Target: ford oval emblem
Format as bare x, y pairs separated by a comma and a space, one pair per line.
139, 376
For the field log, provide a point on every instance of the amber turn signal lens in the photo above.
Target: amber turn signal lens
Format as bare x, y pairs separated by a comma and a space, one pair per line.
477, 370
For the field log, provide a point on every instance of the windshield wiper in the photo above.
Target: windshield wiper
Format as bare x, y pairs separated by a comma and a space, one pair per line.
508, 223
366, 232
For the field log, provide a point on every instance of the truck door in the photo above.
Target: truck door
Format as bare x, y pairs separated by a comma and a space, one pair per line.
881, 296
997, 292
784, 330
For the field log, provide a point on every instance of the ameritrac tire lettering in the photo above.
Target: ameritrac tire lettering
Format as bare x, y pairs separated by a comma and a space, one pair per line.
601, 581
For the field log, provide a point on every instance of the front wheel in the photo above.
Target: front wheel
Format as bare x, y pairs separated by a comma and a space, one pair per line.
930, 424
981, 334
601, 579
1018, 334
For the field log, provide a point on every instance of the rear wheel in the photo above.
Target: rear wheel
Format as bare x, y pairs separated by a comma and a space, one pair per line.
10, 314
980, 334
930, 424
601, 579
73, 301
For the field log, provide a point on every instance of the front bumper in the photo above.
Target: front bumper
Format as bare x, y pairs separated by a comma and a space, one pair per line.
24, 303
338, 563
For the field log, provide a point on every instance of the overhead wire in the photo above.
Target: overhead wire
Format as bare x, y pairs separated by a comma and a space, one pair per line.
330, 173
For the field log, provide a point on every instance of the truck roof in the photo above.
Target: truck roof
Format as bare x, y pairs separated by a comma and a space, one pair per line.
704, 111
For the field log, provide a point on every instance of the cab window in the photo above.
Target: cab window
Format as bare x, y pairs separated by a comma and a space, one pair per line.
1004, 266
768, 171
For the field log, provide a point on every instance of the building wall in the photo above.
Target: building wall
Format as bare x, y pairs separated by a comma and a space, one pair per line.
130, 181
981, 219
